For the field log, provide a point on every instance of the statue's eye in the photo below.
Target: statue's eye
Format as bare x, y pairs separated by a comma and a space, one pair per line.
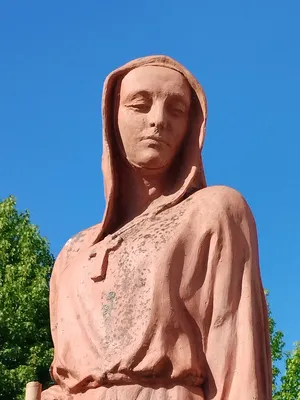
139, 102
176, 107
177, 110
140, 106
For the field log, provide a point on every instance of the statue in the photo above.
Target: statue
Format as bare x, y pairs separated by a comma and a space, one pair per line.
163, 299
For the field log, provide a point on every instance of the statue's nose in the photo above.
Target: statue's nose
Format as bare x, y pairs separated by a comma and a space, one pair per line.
157, 117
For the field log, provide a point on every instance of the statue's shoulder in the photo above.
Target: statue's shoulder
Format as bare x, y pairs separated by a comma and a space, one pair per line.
81, 241
85, 238
219, 199
77, 243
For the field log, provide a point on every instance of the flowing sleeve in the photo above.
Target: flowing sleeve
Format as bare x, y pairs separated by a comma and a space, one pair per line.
236, 346
55, 392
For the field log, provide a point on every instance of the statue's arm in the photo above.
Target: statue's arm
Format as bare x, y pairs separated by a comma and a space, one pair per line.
238, 346
55, 392
64, 260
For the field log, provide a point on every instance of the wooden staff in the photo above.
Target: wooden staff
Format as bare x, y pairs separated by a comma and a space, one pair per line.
33, 391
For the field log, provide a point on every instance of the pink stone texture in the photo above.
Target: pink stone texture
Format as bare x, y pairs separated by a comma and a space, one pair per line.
33, 391
163, 299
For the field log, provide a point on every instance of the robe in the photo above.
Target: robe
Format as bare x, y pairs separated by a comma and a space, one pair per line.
181, 313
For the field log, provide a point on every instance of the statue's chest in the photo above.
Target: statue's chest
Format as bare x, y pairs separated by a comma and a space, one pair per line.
130, 253
114, 281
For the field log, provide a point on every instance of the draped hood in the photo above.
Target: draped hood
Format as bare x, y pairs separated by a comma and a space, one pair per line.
189, 174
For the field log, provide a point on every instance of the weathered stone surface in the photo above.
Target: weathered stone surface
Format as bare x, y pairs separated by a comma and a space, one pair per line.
163, 299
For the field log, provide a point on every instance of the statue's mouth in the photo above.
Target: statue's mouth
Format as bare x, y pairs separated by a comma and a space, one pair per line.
156, 139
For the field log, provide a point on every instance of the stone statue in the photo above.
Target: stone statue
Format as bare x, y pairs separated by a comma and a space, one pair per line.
163, 299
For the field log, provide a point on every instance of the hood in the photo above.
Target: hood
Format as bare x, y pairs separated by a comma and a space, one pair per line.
189, 174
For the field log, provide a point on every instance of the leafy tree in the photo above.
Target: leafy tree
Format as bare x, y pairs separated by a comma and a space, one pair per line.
25, 265
277, 345
286, 386
289, 388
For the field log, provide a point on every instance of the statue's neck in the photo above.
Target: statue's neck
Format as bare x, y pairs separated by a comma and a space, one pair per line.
138, 191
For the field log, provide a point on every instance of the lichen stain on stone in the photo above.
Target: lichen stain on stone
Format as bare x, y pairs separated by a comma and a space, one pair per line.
110, 296
132, 279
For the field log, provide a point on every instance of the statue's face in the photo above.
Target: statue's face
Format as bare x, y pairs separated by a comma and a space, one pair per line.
153, 116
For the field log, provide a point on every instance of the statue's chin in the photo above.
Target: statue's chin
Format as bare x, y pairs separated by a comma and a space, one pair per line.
149, 164
152, 157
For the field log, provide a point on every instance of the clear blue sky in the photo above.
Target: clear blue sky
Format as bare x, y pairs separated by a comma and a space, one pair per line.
54, 58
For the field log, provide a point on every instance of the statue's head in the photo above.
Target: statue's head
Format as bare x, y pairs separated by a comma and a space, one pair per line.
153, 118
153, 113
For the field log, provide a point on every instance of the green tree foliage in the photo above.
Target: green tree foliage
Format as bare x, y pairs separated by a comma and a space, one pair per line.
286, 386
25, 265
289, 388
277, 345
